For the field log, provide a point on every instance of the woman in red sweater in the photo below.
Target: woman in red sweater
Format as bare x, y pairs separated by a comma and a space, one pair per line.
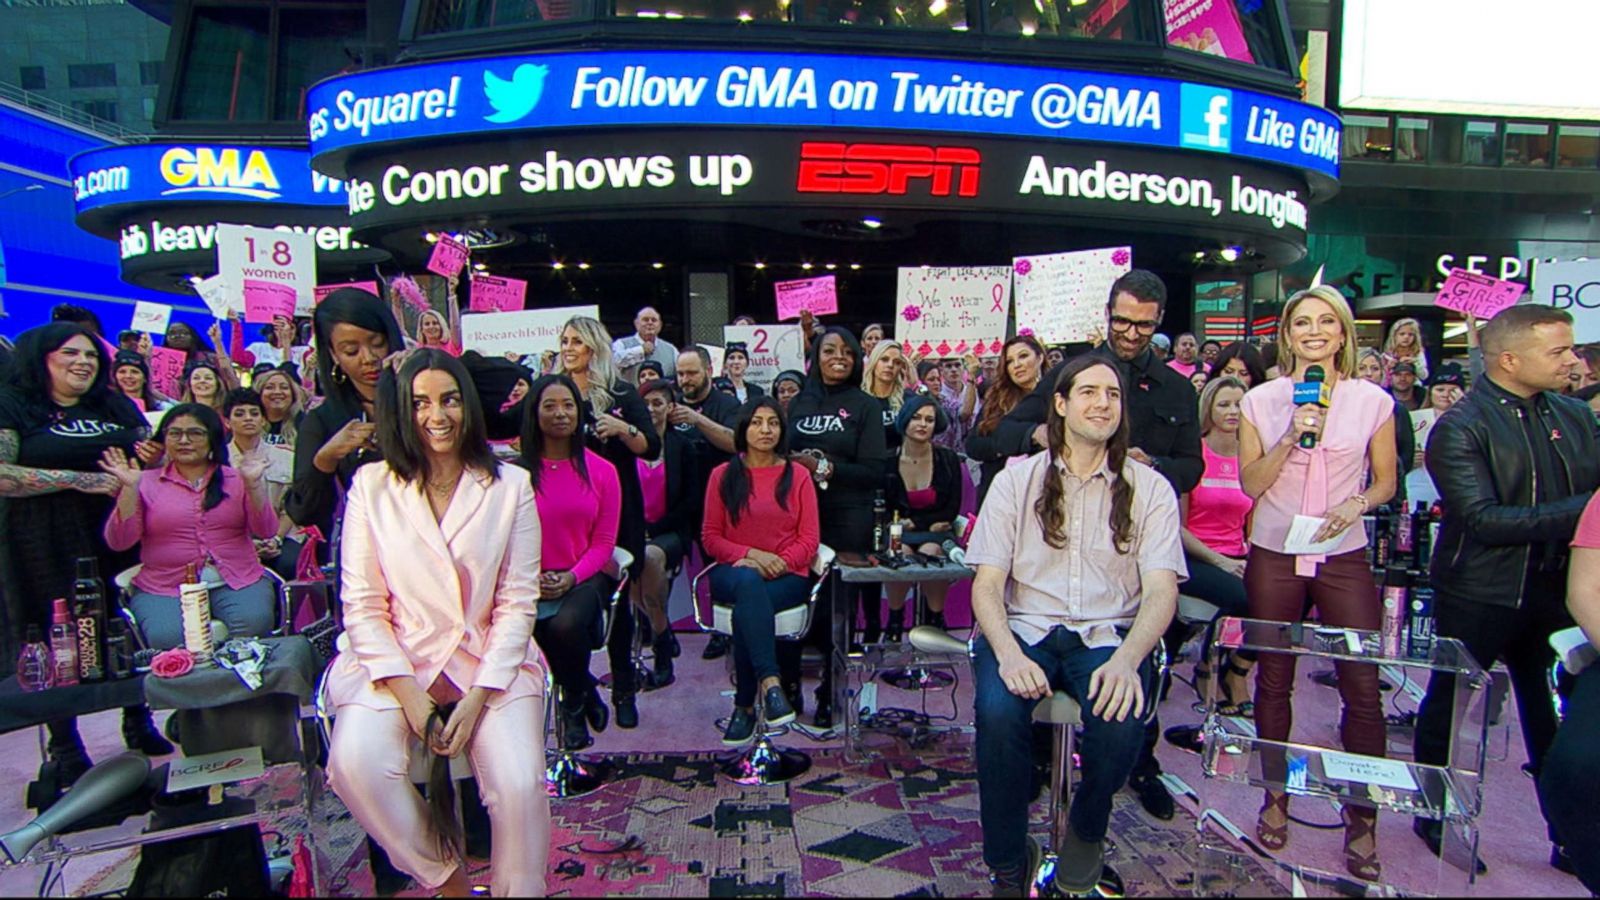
580, 502
761, 528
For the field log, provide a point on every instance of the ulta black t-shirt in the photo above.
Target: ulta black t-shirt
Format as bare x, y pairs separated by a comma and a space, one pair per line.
846, 424
67, 437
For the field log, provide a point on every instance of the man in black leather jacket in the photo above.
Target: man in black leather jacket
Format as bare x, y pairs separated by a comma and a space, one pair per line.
1515, 463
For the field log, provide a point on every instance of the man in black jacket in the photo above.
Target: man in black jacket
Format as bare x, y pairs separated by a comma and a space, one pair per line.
705, 417
1515, 463
1164, 430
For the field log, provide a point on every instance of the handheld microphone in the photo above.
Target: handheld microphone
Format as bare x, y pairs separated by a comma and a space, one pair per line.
1313, 390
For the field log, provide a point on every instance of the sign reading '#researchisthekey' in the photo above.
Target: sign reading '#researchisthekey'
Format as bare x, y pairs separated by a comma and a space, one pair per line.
646, 89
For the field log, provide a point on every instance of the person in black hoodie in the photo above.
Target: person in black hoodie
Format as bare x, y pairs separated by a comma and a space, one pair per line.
621, 432
839, 438
925, 489
672, 491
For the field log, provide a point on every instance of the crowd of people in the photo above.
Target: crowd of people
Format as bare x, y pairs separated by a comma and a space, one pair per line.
472, 507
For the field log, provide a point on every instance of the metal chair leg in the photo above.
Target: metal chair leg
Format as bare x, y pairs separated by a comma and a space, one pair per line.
1044, 881
763, 762
566, 774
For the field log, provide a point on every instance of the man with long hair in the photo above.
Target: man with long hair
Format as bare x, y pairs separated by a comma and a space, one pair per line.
1078, 560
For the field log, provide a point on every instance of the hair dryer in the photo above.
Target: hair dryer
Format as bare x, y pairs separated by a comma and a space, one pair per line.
99, 787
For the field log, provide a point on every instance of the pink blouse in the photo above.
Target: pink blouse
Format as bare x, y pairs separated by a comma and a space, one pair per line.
173, 530
1314, 481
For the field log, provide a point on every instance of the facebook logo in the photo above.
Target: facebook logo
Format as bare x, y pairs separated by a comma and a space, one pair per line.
1206, 117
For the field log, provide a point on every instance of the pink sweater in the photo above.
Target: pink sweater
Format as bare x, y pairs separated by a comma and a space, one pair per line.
173, 531
578, 521
789, 533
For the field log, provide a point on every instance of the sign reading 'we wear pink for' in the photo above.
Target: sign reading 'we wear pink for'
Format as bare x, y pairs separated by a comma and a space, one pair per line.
820, 295
1478, 295
491, 293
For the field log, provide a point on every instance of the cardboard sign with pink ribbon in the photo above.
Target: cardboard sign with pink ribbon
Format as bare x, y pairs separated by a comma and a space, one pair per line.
1061, 297
949, 311
166, 370
820, 295
491, 293
265, 299
321, 291
449, 256
1478, 295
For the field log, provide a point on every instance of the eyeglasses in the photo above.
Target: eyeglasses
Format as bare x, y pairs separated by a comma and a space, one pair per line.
186, 435
1119, 323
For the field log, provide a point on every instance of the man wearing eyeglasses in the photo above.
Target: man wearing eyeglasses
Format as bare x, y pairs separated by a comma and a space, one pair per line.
1164, 433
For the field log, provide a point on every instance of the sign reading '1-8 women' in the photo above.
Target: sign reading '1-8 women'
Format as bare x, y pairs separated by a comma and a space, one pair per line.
624, 89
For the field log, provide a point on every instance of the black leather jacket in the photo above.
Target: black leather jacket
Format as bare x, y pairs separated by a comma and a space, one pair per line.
1480, 459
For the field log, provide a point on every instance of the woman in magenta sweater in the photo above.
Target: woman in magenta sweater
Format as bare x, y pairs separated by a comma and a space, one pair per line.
580, 501
761, 529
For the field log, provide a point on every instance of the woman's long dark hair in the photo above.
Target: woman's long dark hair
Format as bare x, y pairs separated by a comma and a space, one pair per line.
350, 306
1245, 353
216, 451
447, 830
398, 440
29, 376
735, 489
1005, 394
533, 437
1051, 507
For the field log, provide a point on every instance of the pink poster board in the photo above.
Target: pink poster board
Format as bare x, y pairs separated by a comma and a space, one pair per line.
265, 299
449, 256
491, 293
1479, 295
820, 295
166, 370
1207, 26
323, 290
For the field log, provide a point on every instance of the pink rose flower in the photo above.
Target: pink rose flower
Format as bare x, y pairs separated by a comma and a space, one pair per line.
172, 663
1024, 267
1121, 257
911, 313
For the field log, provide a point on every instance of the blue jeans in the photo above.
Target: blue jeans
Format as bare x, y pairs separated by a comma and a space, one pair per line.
1005, 745
1568, 790
251, 611
756, 602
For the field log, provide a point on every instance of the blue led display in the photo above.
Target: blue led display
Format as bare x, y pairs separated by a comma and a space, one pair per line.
632, 88
194, 173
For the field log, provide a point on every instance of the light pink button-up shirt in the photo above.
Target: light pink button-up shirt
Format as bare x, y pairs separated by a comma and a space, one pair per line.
1087, 587
174, 530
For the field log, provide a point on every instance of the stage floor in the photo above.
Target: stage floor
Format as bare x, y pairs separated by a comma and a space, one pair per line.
905, 824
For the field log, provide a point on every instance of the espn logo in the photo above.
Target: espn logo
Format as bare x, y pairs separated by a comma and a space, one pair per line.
834, 168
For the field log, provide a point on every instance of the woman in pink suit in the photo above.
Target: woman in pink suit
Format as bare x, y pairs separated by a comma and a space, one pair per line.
440, 582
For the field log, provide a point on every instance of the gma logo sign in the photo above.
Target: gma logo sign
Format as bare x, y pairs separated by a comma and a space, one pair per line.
219, 170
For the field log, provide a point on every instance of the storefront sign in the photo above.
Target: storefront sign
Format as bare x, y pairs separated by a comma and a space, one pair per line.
196, 173
581, 173
622, 89
1061, 297
952, 311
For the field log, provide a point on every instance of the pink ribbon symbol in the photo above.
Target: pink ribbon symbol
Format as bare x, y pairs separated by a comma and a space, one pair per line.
999, 293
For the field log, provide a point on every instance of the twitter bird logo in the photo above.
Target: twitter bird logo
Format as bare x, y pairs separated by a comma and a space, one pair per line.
513, 100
